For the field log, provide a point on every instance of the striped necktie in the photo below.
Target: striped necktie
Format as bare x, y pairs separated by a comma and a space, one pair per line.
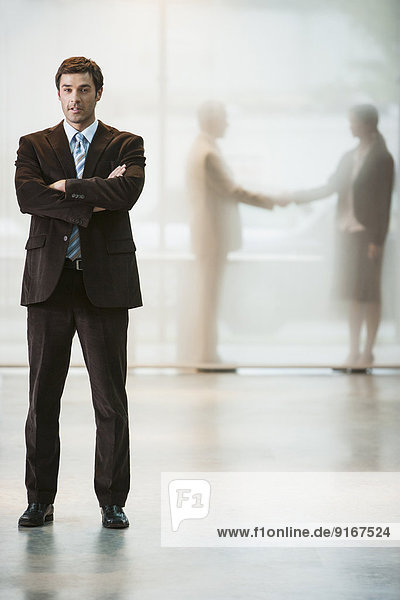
79, 154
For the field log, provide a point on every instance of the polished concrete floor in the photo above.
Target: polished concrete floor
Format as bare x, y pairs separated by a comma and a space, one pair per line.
252, 421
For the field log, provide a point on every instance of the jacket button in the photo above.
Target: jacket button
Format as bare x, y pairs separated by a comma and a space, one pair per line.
65, 238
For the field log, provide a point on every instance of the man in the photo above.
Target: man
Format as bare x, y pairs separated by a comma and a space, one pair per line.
214, 200
78, 180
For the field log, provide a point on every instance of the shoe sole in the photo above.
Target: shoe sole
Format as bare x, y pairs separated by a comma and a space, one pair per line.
116, 526
47, 519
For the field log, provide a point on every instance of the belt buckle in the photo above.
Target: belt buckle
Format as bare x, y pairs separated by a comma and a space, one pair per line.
78, 264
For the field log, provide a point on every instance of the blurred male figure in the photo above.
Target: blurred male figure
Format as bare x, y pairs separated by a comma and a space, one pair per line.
215, 224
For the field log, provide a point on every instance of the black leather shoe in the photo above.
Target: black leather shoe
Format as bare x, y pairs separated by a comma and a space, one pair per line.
36, 514
113, 517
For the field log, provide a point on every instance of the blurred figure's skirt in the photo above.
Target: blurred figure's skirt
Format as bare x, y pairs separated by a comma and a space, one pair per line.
357, 276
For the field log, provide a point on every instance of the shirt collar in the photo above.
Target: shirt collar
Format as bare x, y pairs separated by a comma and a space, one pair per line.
88, 132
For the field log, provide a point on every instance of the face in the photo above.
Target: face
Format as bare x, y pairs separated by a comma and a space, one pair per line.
221, 123
78, 97
216, 122
357, 127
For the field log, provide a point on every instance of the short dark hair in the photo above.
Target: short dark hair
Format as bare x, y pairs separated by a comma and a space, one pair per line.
367, 114
80, 64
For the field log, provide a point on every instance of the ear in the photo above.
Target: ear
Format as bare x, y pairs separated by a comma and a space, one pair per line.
99, 94
58, 93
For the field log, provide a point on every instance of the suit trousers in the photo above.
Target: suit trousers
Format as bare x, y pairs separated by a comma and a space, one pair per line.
103, 337
209, 271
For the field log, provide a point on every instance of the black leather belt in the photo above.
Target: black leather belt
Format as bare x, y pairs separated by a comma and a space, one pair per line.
75, 265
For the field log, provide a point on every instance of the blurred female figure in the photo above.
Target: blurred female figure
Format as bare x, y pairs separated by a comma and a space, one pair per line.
364, 182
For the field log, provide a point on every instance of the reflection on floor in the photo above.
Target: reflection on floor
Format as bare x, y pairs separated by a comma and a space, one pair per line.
316, 421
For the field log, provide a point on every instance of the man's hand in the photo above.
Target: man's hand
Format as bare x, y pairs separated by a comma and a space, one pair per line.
118, 172
374, 251
58, 185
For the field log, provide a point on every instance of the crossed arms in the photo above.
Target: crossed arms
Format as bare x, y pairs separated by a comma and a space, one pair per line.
75, 200
117, 172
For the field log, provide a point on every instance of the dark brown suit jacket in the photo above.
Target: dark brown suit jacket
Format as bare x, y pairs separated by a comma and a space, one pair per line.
372, 189
108, 251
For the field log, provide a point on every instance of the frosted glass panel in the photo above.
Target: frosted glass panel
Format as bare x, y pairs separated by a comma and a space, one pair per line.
287, 73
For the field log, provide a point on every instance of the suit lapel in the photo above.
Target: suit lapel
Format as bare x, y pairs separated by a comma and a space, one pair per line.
59, 142
100, 141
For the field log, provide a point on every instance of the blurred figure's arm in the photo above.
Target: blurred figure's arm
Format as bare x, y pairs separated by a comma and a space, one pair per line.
305, 196
221, 181
317, 193
378, 229
383, 197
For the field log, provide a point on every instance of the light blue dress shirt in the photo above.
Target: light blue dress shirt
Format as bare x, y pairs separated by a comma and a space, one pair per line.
88, 134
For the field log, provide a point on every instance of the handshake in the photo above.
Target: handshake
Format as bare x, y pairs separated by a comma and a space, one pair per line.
298, 197
283, 199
